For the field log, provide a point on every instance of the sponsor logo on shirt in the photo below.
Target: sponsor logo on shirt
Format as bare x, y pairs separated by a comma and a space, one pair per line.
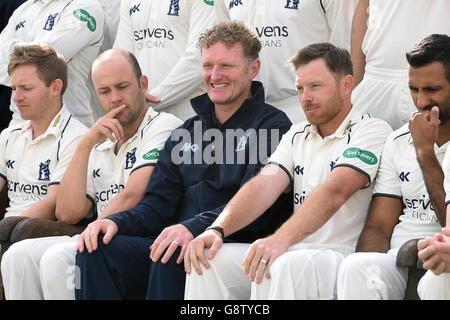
84, 16
174, 8
209, 2
363, 155
20, 25
152, 38
151, 155
44, 171
26, 189
298, 199
421, 209
272, 36
130, 159
292, 4
158, 33
50, 22
108, 194
135, 9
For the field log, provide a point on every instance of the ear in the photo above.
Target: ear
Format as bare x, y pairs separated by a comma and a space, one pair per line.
144, 83
347, 84
255, 65
56, 87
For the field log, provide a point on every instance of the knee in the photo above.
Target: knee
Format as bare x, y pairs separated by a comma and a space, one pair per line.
357, 263
20, 253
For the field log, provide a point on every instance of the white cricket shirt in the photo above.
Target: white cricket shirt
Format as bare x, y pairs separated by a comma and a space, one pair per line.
108, 173
30, 166
74, 28
308, 159
163, 36
400, 176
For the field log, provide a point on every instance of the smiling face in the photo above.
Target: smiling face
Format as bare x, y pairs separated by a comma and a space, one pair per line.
429, 87
320, 94
116, 84
227, 75
34, 99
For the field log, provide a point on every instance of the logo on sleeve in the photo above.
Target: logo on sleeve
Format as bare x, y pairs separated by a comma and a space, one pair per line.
363, 155
209, 2
135, 9
84, 16
234, 3
151, 155
50, 22
44, 171
20, 25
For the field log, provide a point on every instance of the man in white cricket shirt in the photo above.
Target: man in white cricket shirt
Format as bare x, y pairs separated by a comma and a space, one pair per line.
163, 34
35, 155
111, 174
434, 250
74, 28
300, 260
409, 199
284, 27
382, 32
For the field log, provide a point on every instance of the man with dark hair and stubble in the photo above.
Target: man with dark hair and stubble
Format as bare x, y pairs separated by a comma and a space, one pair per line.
408, 201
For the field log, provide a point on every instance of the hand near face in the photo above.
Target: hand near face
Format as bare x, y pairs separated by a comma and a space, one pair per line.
424, 128
106, 127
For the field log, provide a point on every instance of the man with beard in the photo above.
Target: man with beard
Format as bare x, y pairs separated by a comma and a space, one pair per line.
434, 251
300, 260
409, 197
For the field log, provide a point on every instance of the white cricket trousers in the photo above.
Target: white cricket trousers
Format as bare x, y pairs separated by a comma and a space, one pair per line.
384, 94
371, 276
301, 273
433, 287
40, 268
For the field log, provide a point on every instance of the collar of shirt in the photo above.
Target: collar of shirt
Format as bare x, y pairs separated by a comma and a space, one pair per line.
43, 1
437, 149
108, 144
351, 119
55, 128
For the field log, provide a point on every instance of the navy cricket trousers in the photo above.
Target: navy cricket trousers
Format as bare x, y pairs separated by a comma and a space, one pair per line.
123, 270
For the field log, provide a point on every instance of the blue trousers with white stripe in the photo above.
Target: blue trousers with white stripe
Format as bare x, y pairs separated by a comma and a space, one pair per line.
123, 270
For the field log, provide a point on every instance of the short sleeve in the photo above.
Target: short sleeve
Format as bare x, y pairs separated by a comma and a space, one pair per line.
363, 150
154, 136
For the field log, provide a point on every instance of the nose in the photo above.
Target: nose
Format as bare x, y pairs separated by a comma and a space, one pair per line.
17, 95
116, 97
422, 100
305, 96
215, 73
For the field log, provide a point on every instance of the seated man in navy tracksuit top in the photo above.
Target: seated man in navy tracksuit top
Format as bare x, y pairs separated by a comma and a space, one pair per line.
203, 164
